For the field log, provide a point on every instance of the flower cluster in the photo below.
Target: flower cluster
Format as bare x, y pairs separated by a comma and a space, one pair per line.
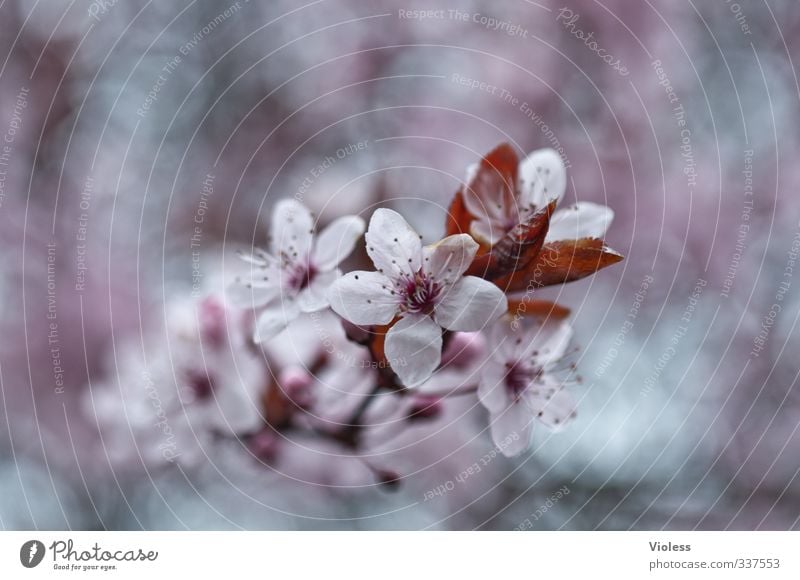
314, 356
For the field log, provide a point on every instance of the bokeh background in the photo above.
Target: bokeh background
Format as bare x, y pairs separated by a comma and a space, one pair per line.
115, 114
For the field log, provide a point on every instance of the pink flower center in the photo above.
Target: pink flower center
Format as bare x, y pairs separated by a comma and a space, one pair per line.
300, 275
519, 377
420, 293
200, 385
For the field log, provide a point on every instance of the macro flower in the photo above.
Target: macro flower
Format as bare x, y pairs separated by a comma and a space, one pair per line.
499, 196
294, 275
509, 208
424, 287
520, 382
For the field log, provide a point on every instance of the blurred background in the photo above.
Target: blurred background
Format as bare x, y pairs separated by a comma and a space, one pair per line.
123, 122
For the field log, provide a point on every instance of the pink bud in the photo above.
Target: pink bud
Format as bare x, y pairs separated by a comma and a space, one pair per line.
425, 407
201, 384
388, 478
463, 349
211, 314
264, 445
296, 384
355, 333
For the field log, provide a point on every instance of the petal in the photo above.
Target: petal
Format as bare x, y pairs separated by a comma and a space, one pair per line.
503, 336
414, 348
542, 178
491, 390
552, 405
363, 298
512, 428
237, 404
489, 190
337, 241
243, 294
550, 342
487, 232
448, 259
470, 305
315, 296
545, 341
582, 220
394, 247
274, 319
292, 228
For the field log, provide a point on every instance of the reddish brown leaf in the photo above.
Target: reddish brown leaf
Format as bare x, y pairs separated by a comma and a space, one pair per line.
516, 250
377, 342
538, 308
494, 182
561, 262
503, 162
458, 218
277, 408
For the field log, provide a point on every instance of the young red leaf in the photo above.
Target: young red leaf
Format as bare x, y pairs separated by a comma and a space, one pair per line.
538, 308
516, 250
493, 183
561, 262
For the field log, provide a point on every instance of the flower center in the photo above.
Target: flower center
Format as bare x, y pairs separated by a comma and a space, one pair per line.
519, 377
299, 275
200, 385
420, 293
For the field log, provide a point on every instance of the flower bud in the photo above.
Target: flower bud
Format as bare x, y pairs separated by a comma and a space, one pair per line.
424, 407
463, 349
264, 445
296, 382
355, 333
388, 479
211, 315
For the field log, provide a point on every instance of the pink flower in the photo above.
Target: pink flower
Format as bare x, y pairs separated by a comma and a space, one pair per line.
294, 275
519, 382
540, 178
424, 286
197, 383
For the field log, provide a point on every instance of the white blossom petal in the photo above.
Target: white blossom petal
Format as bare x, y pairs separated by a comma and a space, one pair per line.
512, 428
274, 319
336, 241
486, 231
542, 178
548, 343
551, 404
491, 389
315, 296
243, 294
292, 229
502, 339
363, 298
392, 244
470, 304
448, 259
414, 348
238, 407
486, 196
582, 220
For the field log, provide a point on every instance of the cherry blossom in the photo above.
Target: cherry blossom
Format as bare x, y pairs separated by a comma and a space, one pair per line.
520, 381
422, 286
294, 275
319, 371
196, 385
499, 200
